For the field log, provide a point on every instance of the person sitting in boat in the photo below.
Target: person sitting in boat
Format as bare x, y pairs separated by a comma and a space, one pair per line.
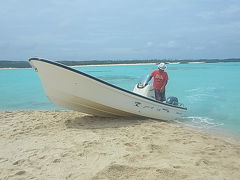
160, 81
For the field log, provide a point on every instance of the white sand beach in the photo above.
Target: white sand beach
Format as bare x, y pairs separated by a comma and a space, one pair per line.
134, 64
197, 62
71, 145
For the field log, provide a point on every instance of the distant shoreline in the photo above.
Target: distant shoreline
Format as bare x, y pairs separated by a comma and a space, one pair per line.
25, 64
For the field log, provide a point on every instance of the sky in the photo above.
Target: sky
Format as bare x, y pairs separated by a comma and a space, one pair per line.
119, 29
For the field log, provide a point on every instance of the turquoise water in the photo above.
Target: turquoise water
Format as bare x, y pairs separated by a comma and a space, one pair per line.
209, 91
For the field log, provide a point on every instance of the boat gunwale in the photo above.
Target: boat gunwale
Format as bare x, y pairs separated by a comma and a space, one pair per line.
101, 81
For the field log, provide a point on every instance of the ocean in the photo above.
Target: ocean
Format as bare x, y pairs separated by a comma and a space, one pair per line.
210, 91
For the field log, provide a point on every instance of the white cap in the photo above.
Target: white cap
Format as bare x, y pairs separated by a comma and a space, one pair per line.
162, 66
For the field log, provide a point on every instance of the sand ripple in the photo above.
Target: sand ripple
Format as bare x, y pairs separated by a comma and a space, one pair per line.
72, 145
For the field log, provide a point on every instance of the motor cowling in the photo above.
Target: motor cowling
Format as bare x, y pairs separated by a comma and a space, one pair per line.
172, 100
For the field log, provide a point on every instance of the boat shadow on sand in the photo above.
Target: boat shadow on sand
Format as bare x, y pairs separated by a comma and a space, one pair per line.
96, 122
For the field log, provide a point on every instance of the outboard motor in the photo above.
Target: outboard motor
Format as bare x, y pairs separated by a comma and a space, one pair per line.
172, 100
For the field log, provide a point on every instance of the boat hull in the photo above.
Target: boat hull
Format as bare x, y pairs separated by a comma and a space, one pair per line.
76, 90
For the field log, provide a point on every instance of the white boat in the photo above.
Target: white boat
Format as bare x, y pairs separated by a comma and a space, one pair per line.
76, 90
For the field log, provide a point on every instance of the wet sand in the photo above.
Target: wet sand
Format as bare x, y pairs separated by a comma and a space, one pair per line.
72, 145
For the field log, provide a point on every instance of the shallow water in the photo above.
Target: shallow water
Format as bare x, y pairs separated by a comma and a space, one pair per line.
209, 91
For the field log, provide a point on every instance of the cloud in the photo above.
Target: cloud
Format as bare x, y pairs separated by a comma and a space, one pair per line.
199, 48
169, 44
231, 11
93, 29
149, 44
